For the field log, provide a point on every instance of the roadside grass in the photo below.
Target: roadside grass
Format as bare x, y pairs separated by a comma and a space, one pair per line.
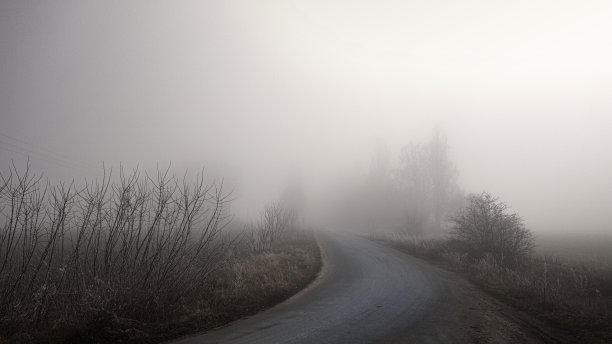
575, 298
247, 284
250, 285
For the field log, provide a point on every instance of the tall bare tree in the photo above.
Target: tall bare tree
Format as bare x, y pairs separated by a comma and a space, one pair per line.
442, 174
428, 178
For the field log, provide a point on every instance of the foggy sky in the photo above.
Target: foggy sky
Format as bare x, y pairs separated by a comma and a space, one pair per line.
256, 89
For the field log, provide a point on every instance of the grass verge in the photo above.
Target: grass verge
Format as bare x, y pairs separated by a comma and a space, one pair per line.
244, 286
576, 300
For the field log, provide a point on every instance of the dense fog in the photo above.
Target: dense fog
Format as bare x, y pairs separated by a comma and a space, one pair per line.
273, 95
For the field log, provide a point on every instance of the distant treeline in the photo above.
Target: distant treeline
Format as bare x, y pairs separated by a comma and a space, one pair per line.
415, 196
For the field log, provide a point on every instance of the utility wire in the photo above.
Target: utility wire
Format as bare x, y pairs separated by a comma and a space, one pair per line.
52, 161
60, 155
30, 148
26, 151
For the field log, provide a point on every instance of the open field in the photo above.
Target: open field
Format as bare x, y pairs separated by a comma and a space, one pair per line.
589, 249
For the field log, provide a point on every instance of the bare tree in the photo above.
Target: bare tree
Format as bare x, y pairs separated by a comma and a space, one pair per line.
293, 198
379, 164
413, 177
442, 173
428, 178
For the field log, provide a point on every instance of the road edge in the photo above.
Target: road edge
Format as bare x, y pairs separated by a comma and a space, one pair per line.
319, 276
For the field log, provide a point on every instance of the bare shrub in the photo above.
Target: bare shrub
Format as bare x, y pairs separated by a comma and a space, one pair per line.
136, 247
276, 221
484, 227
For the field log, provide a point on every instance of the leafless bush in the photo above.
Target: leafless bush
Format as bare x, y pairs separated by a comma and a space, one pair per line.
484, 228
275, 222
133, 247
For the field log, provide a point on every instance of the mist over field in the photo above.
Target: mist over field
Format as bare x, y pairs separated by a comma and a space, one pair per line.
292, 171
272, 92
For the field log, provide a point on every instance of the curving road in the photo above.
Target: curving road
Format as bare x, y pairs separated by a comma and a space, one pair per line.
366, 293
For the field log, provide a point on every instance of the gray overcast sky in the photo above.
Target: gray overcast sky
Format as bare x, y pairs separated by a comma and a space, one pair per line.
254, 89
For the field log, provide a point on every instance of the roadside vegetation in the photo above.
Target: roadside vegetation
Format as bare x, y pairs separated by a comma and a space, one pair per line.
135, 257
494, 249
416, 205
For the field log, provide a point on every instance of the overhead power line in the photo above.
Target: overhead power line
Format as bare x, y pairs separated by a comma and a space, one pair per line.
24, 148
